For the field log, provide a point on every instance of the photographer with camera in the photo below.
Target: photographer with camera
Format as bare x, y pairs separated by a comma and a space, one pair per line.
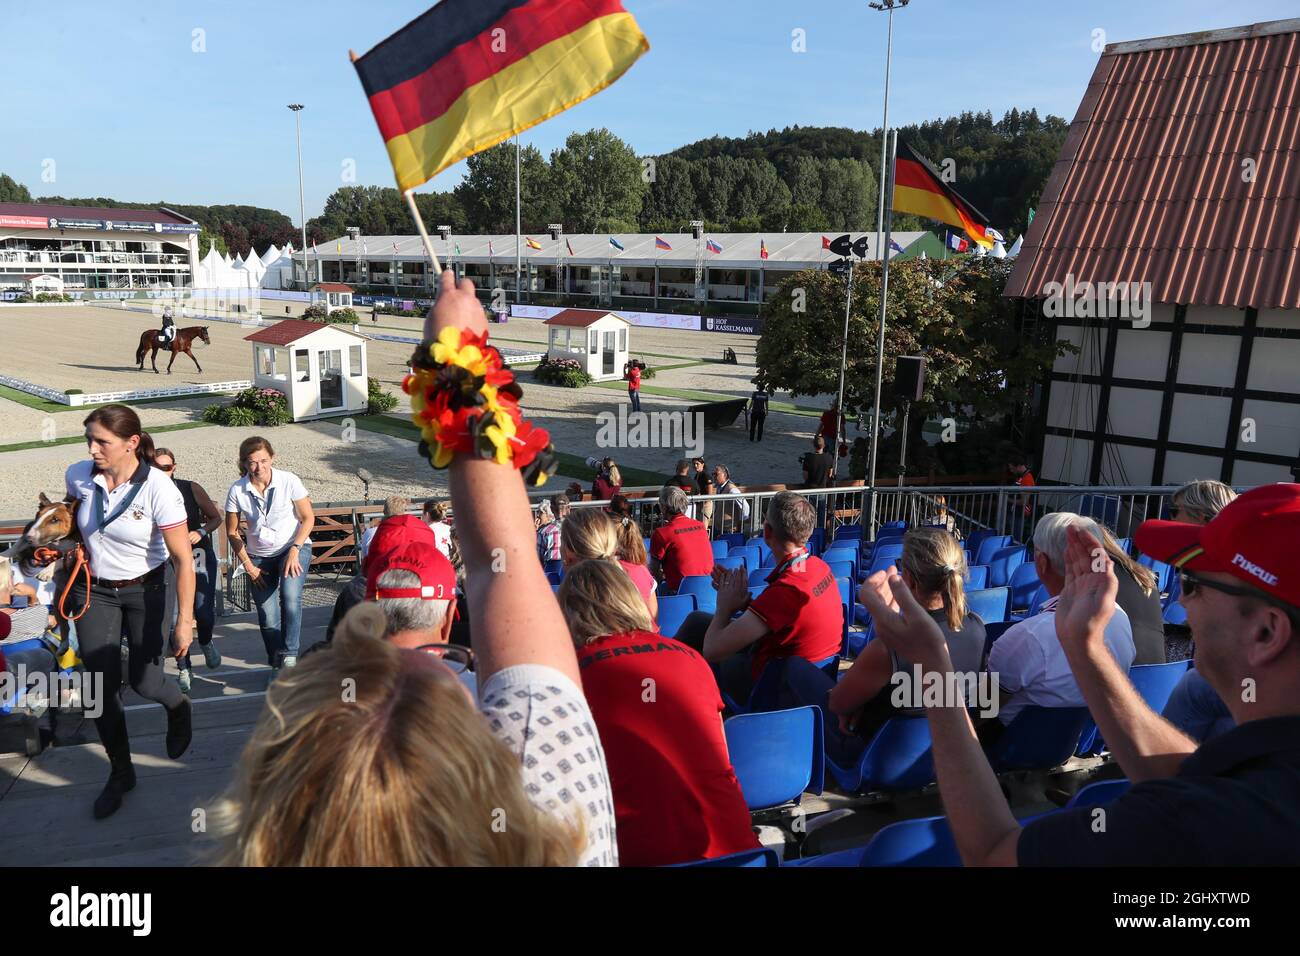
608, 481
632, 373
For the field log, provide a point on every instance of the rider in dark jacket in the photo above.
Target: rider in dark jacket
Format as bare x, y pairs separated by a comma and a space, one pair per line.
168, 327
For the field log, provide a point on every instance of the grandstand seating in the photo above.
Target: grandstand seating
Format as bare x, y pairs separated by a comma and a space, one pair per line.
1162, 571
762, 857
923, 841
977, 578
898, 758
841, 569
720, 548
700, 586
1023, 583
1154, 682
777, 755
989, 547
848, 532
752, 556
732, 561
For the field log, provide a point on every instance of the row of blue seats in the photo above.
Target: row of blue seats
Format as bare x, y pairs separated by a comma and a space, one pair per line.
923, 841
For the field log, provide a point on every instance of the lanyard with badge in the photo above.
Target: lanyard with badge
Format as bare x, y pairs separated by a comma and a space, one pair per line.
101, 508
261, 513
800, 555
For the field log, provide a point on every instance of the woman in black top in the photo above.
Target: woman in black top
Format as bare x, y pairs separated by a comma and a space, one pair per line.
1140, 598
202, 518
934, 568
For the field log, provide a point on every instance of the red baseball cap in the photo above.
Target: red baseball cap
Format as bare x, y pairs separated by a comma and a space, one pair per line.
1253, 539
406, 543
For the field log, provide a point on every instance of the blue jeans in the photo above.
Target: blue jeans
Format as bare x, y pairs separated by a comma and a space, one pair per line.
634, 396
279, 603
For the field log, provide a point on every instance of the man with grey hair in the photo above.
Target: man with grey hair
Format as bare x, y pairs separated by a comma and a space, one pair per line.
548, 534
1028, 660
680, 547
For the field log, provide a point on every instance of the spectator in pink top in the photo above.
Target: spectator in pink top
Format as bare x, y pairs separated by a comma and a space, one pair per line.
590, 533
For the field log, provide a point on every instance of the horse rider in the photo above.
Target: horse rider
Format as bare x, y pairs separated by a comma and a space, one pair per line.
168, 331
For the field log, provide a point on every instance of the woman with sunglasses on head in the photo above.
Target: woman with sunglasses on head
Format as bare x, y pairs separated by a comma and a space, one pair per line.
132, 521
202, 518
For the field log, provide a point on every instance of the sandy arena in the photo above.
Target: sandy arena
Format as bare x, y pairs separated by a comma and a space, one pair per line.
93, 347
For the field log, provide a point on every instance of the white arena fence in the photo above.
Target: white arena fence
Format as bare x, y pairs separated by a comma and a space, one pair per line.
77, 399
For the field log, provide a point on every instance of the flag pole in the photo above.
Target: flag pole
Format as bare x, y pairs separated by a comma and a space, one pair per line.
424, 233
880, 337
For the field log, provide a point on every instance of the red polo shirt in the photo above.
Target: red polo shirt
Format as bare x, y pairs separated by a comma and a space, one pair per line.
634, 380
657, 709
801, 607
682, 548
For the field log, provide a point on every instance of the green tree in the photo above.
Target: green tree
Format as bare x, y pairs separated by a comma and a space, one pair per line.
207, 239
487, 193
981, 363
670, 201
598, 179
848, 194
440, 209
13, 191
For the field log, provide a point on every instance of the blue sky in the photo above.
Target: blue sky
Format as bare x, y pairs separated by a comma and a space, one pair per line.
117, 97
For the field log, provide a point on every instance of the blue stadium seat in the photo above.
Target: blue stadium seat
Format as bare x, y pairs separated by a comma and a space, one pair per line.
1154, 682
882, 563
753, 558
764, 856
756, 590
1161, 569
1104, 509
898, 758
1099, 793
764, 552
554, 567
817, 541
777, 755
734, 539
700, 586
720, 548
1039, 738
646, 543
841, 569
759, 576
893, 526
989, 547
991, 604
1003, 563
992, 632
672, 612
883, 549
977, 578
732, 561
765, 693
977, 537
1125, 545
1174, 592
1175, 613
925, 841
848, 531
1023, 583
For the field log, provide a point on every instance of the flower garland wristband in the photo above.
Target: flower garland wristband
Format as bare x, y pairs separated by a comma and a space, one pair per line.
466, 402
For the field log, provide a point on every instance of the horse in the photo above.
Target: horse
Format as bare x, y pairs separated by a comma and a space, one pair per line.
180, 343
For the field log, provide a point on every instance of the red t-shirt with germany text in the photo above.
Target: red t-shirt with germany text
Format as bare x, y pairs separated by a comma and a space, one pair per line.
683, 548
658, 712
801, 607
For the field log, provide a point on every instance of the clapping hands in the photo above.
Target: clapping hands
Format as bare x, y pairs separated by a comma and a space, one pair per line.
733, 589
1087, 602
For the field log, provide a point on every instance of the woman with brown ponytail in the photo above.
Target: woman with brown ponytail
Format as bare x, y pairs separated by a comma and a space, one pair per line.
934, 568
132, 521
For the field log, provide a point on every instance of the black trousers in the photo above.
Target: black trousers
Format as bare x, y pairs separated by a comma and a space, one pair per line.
734, 673
143, 609
756, 422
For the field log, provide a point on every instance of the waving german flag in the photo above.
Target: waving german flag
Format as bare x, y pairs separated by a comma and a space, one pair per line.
469, 74
919, 190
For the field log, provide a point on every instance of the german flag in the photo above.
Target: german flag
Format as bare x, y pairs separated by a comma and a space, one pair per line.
469, 74
532, 243
919, 190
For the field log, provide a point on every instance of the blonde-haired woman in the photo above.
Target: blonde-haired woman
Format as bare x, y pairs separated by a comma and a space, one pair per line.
407, 774
1197, 502
933, 566
1139, 597
589, 534
676, 797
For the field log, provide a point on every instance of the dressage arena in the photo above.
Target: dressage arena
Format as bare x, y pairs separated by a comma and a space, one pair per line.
92, 347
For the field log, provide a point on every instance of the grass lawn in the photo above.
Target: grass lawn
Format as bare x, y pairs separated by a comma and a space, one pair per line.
79, 439
44, 405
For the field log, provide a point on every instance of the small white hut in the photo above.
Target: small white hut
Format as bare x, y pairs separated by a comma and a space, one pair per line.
44, 282
597, 339
332, 295
321, 368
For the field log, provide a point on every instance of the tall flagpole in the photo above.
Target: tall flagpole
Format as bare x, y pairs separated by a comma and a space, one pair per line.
889, 5
880, 338
518, 254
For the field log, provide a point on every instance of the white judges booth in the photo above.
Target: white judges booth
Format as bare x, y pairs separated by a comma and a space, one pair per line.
322, 368
332, 295
597, 339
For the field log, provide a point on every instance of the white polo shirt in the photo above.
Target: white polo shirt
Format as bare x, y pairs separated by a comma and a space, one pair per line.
132, 544
272, 522
1031, 664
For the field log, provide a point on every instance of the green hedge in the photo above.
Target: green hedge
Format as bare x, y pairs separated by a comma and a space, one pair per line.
253, 406
567, 373
379, 400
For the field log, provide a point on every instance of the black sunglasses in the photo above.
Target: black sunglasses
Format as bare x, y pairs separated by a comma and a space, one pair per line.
459, 659
1191, 583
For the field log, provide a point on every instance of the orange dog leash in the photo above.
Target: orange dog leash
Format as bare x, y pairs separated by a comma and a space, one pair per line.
79, 566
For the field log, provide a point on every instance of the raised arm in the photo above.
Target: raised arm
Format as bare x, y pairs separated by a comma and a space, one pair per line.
1145, 745
514, 618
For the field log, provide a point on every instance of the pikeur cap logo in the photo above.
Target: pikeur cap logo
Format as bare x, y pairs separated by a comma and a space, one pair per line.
1251, 568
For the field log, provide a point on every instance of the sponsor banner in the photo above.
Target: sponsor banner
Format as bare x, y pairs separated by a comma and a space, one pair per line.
178, 227
746, 325
76, 223
24, 222
654, 320
117, 225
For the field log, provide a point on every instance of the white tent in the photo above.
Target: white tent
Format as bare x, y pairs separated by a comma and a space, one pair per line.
271, 254
1015, 246
999, 251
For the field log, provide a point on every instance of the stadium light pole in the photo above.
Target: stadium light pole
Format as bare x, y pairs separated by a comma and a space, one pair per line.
889, 5
302, 205
518, 254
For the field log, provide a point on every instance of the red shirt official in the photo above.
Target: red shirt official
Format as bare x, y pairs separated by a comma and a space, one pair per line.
658, 712
802, 610
682, 548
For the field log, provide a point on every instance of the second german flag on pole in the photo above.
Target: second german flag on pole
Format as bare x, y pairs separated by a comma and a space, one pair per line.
918, 189
469, 74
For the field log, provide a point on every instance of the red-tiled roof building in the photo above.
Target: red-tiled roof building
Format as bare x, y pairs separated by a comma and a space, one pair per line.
1166, 248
